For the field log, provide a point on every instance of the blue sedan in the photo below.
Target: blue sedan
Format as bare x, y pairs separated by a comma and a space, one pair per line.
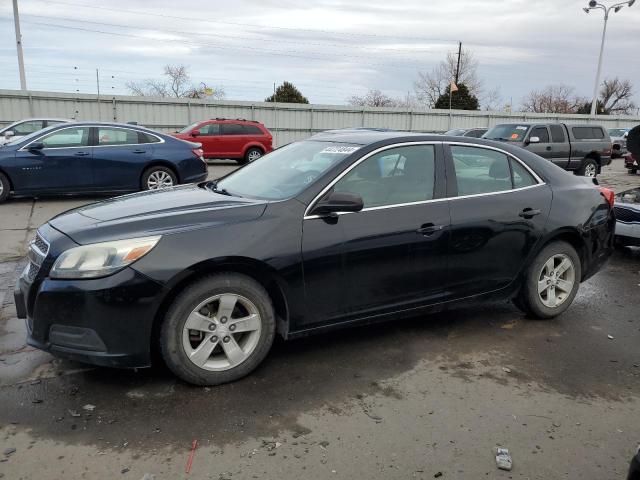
90, 157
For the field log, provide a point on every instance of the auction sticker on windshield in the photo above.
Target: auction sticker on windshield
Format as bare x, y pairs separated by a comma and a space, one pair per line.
344, 150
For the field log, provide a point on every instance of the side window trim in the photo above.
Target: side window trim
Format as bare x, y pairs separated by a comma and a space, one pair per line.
97, 140
438, 173
451, 179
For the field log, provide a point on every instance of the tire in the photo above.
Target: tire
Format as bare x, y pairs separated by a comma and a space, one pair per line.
5, 187
589, 168
252, 155
158, 177
540, 305
188, 352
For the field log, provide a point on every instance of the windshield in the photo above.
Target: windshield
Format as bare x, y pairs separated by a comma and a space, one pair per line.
617, 132
286, 171
188, 128
507, 132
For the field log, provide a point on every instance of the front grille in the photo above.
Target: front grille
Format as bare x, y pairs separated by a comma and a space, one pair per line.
38, 250
627, 215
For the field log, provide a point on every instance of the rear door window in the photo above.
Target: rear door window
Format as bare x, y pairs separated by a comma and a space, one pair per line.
480, 170
541, 132
117, 136
210, 129
557, 133
232, 129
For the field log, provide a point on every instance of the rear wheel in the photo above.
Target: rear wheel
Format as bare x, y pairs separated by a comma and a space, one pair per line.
551, 282
5, 187
252, 155
155, 178
218, 329
589, 168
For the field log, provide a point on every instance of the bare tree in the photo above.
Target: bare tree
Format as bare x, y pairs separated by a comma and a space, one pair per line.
552, 99
492, 100
431, 85
373, 98
616, 97
177, 83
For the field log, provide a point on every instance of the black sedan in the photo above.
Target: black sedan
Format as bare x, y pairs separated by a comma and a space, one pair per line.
346, 228
86, 158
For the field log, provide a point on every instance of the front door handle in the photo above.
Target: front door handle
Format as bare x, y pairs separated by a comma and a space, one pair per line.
529, 212
82, 154
549, 148
429, 229
139, 151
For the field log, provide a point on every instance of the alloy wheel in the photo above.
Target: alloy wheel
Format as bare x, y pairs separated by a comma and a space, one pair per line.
159, 179
221, 332
254, 155
590, 170
556, 280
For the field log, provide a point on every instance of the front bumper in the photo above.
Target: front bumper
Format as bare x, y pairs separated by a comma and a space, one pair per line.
106, 321
629, 232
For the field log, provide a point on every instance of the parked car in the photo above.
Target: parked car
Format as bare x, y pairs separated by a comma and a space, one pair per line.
583, 149
21, 128
466, 132
345, 228
89, 157
627, 210
632, 158
241, 140
619, 141
631, 163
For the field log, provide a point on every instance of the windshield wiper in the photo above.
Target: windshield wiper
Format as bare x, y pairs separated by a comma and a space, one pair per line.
213, 186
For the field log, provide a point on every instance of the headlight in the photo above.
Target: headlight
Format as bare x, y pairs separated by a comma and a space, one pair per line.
101, 259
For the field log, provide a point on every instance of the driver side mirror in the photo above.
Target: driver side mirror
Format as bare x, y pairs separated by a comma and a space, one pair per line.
336, 202
534, 139
36, 146
8, 134
195, 133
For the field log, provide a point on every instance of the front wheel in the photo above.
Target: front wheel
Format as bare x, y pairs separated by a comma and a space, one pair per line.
252, 155
551, 282
5, 187
218, 329
589, 168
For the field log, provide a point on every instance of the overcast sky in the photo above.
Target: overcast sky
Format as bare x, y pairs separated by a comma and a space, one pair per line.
329, 49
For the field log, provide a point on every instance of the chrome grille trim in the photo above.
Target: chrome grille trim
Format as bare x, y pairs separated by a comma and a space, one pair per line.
38, 250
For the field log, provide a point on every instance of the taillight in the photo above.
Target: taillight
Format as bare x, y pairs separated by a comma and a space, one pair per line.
198, 152
608, 195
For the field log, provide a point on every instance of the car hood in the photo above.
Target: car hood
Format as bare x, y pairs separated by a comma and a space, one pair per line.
629, 198
155, 212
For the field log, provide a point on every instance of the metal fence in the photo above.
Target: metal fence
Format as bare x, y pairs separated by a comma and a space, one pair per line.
287, 122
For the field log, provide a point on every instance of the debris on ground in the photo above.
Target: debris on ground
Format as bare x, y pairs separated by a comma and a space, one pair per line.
9, 451
437, 475
194, 445
89, 408
124, 470
506, 369
148, 476
74, 413
610, 337
503, 459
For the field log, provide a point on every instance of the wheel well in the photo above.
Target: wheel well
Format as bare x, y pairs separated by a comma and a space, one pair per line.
259, 272
8, 178
254, 146
160, 163
572, 238
594, 156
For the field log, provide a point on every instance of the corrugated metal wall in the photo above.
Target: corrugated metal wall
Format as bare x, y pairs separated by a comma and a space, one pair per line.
287, 122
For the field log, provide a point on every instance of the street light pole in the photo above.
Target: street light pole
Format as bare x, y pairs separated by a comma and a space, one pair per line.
593, 5
16, 22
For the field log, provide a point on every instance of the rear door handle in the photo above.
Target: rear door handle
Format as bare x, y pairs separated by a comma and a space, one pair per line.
529, 212
82, 154
549, 148
429, 229
139, 151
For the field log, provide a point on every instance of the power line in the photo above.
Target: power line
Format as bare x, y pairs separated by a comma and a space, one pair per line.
203, 44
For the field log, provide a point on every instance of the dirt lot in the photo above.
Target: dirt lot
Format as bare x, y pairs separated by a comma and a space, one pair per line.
409, 399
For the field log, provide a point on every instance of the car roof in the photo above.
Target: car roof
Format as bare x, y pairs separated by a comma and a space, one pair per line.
365, 136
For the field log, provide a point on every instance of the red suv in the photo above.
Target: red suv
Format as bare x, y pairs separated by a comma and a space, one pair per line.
242, 140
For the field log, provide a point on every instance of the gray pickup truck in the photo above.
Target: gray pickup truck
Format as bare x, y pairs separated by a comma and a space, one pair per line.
583, 149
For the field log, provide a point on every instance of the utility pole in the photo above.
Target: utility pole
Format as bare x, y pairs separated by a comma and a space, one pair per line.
98, 85
16, 21
458, 67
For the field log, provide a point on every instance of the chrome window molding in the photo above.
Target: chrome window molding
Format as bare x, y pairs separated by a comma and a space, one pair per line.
25, 148
396, 205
